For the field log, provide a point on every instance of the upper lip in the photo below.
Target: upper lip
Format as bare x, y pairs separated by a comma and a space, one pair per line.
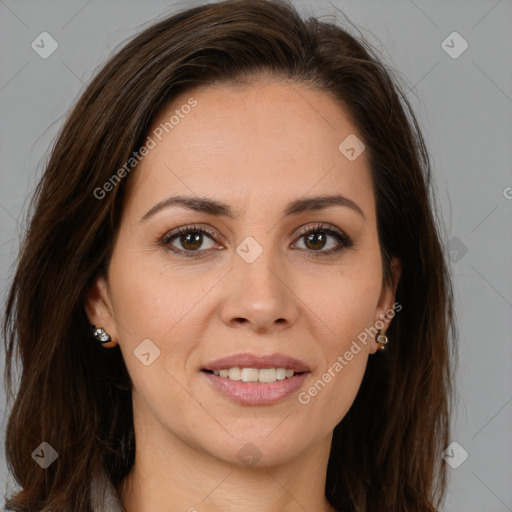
247, 360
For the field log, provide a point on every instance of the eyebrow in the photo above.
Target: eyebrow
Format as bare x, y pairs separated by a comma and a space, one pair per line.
218, 208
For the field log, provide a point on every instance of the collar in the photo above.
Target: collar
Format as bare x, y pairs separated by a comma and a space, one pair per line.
104, 496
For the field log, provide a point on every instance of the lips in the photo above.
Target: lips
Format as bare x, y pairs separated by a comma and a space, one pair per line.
269, 391
256, 393
247, 360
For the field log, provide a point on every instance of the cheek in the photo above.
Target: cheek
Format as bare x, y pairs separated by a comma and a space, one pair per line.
345, 351
156, 304
151, 299
345, 312
159, 303
345, 301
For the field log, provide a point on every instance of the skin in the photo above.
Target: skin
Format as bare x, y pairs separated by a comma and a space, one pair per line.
255, 148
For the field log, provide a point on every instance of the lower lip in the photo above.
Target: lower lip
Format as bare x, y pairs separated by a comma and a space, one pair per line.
256, 393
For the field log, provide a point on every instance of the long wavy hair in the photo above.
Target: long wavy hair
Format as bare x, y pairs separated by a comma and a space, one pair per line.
386, 452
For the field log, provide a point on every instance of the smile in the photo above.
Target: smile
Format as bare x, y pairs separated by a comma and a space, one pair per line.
256, 379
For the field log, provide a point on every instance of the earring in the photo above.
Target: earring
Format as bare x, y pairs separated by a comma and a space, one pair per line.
100, 335
382, 340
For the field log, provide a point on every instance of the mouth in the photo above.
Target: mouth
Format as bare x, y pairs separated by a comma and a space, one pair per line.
256, 380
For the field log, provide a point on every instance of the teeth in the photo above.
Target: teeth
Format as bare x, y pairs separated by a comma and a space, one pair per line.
235, 374
254, 374
267, 375
250, 374
281, 374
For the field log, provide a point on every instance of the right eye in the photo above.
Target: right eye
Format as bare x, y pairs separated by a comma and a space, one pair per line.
190, 238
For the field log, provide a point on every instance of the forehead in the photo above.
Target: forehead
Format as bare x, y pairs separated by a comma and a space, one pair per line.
270, 142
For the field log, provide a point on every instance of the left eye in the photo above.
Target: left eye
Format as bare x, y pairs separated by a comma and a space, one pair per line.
316, 237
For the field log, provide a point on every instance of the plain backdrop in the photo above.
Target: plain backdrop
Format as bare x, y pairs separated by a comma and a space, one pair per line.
464, 105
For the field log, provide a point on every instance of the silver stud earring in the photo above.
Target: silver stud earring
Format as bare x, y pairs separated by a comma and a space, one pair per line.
382, 340
100, 335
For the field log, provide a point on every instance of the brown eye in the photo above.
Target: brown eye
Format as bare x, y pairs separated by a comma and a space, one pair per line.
316, 239
188, 240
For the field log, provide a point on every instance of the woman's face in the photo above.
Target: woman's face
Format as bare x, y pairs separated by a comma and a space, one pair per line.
255, 284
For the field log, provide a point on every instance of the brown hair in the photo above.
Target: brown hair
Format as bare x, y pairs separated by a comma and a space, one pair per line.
386, 452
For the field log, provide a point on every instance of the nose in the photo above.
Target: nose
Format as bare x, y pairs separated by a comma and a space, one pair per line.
260, 296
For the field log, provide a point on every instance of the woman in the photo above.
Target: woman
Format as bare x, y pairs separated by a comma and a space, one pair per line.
236, 218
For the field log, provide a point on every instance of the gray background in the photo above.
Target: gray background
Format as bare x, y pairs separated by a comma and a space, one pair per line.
464, 107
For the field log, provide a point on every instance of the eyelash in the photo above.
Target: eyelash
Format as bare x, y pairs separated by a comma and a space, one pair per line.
344, 241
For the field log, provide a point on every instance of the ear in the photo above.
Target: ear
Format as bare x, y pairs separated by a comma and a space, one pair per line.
99, 311
386, 301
